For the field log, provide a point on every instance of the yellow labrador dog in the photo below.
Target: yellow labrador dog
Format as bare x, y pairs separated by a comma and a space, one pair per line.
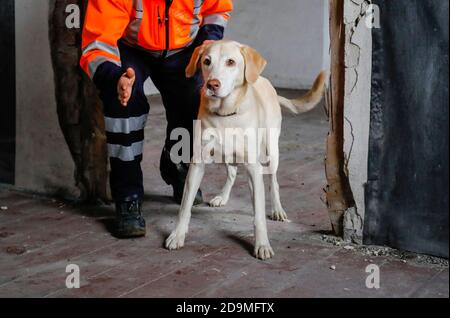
235, 96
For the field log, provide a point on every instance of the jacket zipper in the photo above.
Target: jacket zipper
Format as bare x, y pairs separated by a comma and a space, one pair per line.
160, 24
168, 4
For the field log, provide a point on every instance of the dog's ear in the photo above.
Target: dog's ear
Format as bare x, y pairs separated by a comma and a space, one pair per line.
192, 67
254, 64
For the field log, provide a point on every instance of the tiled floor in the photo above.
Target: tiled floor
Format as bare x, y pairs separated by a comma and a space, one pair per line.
39, 237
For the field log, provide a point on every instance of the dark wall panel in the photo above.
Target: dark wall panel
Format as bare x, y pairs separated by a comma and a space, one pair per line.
407, 193
8, 101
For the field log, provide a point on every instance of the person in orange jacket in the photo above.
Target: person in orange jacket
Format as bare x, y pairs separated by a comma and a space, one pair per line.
123, 43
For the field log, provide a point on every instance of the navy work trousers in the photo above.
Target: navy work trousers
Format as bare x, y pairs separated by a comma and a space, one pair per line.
125, 125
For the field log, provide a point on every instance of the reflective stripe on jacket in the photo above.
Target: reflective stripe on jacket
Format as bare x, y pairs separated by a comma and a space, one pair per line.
162, 27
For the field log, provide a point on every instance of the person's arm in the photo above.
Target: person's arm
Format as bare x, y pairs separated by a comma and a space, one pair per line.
105, 23
215, 14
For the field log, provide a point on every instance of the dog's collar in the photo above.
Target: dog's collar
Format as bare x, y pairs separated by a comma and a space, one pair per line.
227, 115
240, 97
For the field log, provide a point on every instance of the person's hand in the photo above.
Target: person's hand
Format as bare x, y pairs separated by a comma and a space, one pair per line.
206, 42
125, 86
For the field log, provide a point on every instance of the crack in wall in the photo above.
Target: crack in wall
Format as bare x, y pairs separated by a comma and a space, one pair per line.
348, 156
355, 13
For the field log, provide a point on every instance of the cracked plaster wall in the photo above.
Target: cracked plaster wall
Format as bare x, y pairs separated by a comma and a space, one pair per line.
358, 68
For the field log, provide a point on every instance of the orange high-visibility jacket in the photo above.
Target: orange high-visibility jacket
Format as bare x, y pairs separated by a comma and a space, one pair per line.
162, 27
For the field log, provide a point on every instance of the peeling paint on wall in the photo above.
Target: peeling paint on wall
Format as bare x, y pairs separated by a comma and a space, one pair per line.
358, 63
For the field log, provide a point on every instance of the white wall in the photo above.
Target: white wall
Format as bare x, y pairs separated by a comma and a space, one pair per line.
291, 34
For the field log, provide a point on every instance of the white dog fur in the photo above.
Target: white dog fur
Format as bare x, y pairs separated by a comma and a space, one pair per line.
236, 96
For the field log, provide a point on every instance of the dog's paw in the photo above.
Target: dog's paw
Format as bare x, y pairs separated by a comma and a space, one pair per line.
218, 201
264, 251
175, 241
279, 215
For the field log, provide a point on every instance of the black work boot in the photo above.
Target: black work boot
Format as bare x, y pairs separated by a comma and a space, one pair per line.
175, 175
129, 220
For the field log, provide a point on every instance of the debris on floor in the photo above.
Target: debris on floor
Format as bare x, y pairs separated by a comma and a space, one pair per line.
378, 251
16, 250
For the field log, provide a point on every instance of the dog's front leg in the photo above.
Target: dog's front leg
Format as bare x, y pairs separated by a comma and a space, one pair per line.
193, 180
224, 196
263, 250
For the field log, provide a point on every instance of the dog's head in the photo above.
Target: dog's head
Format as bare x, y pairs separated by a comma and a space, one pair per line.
225, 65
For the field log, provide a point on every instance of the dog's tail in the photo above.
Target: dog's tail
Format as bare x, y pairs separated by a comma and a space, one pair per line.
308, 101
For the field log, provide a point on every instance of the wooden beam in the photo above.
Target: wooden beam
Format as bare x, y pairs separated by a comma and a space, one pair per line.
78, 106
338, 192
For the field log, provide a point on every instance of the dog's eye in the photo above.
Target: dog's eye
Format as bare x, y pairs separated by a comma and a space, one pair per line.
207, 62
231, 62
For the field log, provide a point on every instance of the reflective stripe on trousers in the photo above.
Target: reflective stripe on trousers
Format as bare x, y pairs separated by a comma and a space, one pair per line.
125, 125
125, 153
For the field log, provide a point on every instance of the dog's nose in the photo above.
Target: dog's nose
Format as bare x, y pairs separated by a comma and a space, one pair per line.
213, 85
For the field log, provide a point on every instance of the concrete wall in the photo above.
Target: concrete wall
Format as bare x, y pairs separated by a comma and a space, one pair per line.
291, 35
43, 162
358, 70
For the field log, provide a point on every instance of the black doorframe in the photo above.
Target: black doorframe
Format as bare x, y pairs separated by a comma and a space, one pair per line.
8, 104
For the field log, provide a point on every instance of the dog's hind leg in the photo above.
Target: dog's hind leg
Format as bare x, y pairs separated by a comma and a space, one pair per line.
193, 180
278, 213
224, 196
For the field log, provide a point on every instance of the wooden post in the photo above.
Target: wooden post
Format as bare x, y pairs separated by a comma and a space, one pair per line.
78, 105
338, 192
